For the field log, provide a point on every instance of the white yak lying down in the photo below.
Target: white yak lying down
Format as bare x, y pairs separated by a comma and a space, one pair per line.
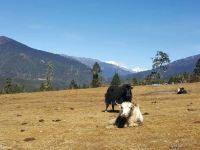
129, 116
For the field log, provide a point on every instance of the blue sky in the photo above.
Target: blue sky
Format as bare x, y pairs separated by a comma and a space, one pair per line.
125, 31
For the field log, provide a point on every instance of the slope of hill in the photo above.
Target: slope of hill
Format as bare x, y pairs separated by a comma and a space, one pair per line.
108, 70
22, 62
176, 67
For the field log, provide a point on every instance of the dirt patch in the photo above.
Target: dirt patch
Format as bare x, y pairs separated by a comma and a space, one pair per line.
146, 113
191, 109
24, 123
56, 120
197, 121
41, 120
29, 139
159, 92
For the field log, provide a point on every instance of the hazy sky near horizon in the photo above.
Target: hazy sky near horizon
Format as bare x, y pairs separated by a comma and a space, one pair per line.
125, 31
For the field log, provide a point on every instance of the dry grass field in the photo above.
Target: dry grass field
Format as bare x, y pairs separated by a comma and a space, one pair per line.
73, 119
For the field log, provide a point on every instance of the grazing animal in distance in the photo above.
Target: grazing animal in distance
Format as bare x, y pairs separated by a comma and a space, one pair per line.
117, 95
129, 116
181, 91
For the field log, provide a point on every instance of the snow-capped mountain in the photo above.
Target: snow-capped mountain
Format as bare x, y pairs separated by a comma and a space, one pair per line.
108, 68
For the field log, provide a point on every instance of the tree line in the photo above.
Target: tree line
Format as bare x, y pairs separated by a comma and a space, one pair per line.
159, 67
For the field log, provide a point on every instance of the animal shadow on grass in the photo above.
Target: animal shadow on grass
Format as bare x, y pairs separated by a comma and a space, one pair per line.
111, 111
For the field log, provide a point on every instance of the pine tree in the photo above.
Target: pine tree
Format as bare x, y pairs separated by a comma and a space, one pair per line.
8, 86
153, 77
73, 85
197, 71
42, 86
49, 76
160, 61
96, 71
11, 88
116, 80
16, 88
84, 86
134, 81
47, 85
180, 78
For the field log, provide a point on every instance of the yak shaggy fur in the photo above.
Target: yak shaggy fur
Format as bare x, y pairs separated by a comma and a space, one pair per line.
129, 116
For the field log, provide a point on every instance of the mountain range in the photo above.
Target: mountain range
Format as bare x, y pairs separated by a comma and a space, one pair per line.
108, 69
28, 66
176, 67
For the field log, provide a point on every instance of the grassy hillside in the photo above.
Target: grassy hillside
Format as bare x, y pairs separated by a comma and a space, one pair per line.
73, 119
22, 62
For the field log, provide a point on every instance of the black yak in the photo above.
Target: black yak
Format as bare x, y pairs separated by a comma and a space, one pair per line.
181, 91
117, 95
